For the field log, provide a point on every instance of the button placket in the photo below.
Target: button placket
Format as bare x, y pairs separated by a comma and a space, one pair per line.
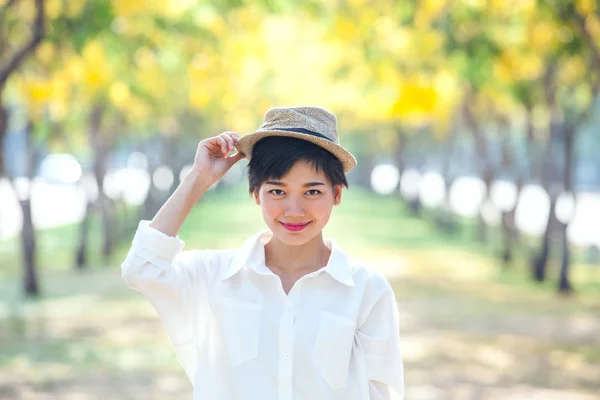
286, 348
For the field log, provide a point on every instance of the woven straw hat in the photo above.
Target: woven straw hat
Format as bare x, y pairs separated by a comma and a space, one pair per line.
311, 123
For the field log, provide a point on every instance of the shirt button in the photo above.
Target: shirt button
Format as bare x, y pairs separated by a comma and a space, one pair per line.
286, 356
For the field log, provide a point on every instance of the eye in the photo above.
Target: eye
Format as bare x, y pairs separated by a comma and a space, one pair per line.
277, 192
313, 192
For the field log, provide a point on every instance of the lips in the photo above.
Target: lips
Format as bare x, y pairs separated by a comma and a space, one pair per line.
294, 227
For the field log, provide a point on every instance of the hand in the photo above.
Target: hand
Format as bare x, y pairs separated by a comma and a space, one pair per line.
212, 156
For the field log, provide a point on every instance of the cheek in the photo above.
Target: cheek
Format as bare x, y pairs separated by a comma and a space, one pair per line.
321, 207
270, 208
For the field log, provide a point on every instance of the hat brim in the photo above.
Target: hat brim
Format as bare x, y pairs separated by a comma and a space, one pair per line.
247, 142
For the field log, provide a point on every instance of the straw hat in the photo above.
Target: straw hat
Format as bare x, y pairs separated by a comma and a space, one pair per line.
311, 123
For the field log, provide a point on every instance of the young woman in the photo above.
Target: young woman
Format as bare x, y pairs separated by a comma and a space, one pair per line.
288, 316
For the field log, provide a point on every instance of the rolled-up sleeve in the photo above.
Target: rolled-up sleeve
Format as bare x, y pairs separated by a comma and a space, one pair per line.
174, 281
379, 337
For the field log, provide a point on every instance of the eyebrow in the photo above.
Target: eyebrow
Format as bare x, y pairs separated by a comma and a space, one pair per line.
309, 184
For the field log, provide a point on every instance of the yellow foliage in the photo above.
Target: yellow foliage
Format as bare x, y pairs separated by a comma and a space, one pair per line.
119, 94
200, 67
154, 80
345, 29
38, 91
45, 52
96, 68
433, 7
57, 110
128, 8
54, 8
176, 8
73, 7
592, 23
474, 3
25, 10
199, 95
75, 68
138, 111
529, 67
60, 87
586, 7
431, 41
46, 94
95, 77
542, 35
415, 99
144, 58
93, 52
511, 66
572, 70
206, 16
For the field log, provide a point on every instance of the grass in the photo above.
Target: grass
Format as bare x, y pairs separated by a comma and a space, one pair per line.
470, 329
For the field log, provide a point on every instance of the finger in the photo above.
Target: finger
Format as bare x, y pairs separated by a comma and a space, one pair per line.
235, 158
230, 142
223, 143
211, 144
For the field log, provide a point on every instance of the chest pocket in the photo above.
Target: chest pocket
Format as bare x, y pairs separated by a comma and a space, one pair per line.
333, 348
238, 324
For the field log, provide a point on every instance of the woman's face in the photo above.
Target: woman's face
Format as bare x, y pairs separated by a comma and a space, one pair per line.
297, 207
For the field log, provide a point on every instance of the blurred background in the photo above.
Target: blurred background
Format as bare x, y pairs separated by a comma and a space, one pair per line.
476, 128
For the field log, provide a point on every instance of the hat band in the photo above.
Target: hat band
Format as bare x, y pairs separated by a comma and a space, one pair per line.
302, 130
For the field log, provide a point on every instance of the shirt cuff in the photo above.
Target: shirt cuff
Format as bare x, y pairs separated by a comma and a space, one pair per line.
153, 241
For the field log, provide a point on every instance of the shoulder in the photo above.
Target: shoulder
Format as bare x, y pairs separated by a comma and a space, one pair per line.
376, 292
212, 261
368, 278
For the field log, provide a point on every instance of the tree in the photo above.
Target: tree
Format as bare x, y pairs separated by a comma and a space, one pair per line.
13, 55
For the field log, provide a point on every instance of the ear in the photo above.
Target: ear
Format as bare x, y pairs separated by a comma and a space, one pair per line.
337, 195
256, 197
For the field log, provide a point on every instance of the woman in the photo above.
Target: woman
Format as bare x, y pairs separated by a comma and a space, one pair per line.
288, 315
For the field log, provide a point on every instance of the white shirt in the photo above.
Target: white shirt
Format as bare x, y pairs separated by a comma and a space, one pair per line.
239, 336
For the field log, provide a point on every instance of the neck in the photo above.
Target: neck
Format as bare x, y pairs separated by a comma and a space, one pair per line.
286, 259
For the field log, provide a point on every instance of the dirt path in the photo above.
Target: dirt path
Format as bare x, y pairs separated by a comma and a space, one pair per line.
461, 341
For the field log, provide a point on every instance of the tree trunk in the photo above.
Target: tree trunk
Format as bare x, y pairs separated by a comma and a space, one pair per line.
446, 220
28, 234
3, 132
541, 260
509, 236
482, 227
510, 233
28, 242
547, 171
564, 284
108, 212
101, 145
81, 258
481, 153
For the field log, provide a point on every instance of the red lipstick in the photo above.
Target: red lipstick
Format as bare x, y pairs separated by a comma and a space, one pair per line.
294, 227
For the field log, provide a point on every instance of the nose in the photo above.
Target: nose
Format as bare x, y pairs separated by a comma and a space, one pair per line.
294, 208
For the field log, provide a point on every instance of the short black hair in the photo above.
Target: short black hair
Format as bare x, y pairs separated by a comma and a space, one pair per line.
274, 156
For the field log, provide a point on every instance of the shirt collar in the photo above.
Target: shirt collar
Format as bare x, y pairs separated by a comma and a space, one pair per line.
252, 253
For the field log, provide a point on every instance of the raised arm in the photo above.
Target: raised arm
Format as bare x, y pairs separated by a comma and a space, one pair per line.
172, 280
210, 164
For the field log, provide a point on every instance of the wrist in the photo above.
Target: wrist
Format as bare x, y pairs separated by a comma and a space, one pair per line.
198, 181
